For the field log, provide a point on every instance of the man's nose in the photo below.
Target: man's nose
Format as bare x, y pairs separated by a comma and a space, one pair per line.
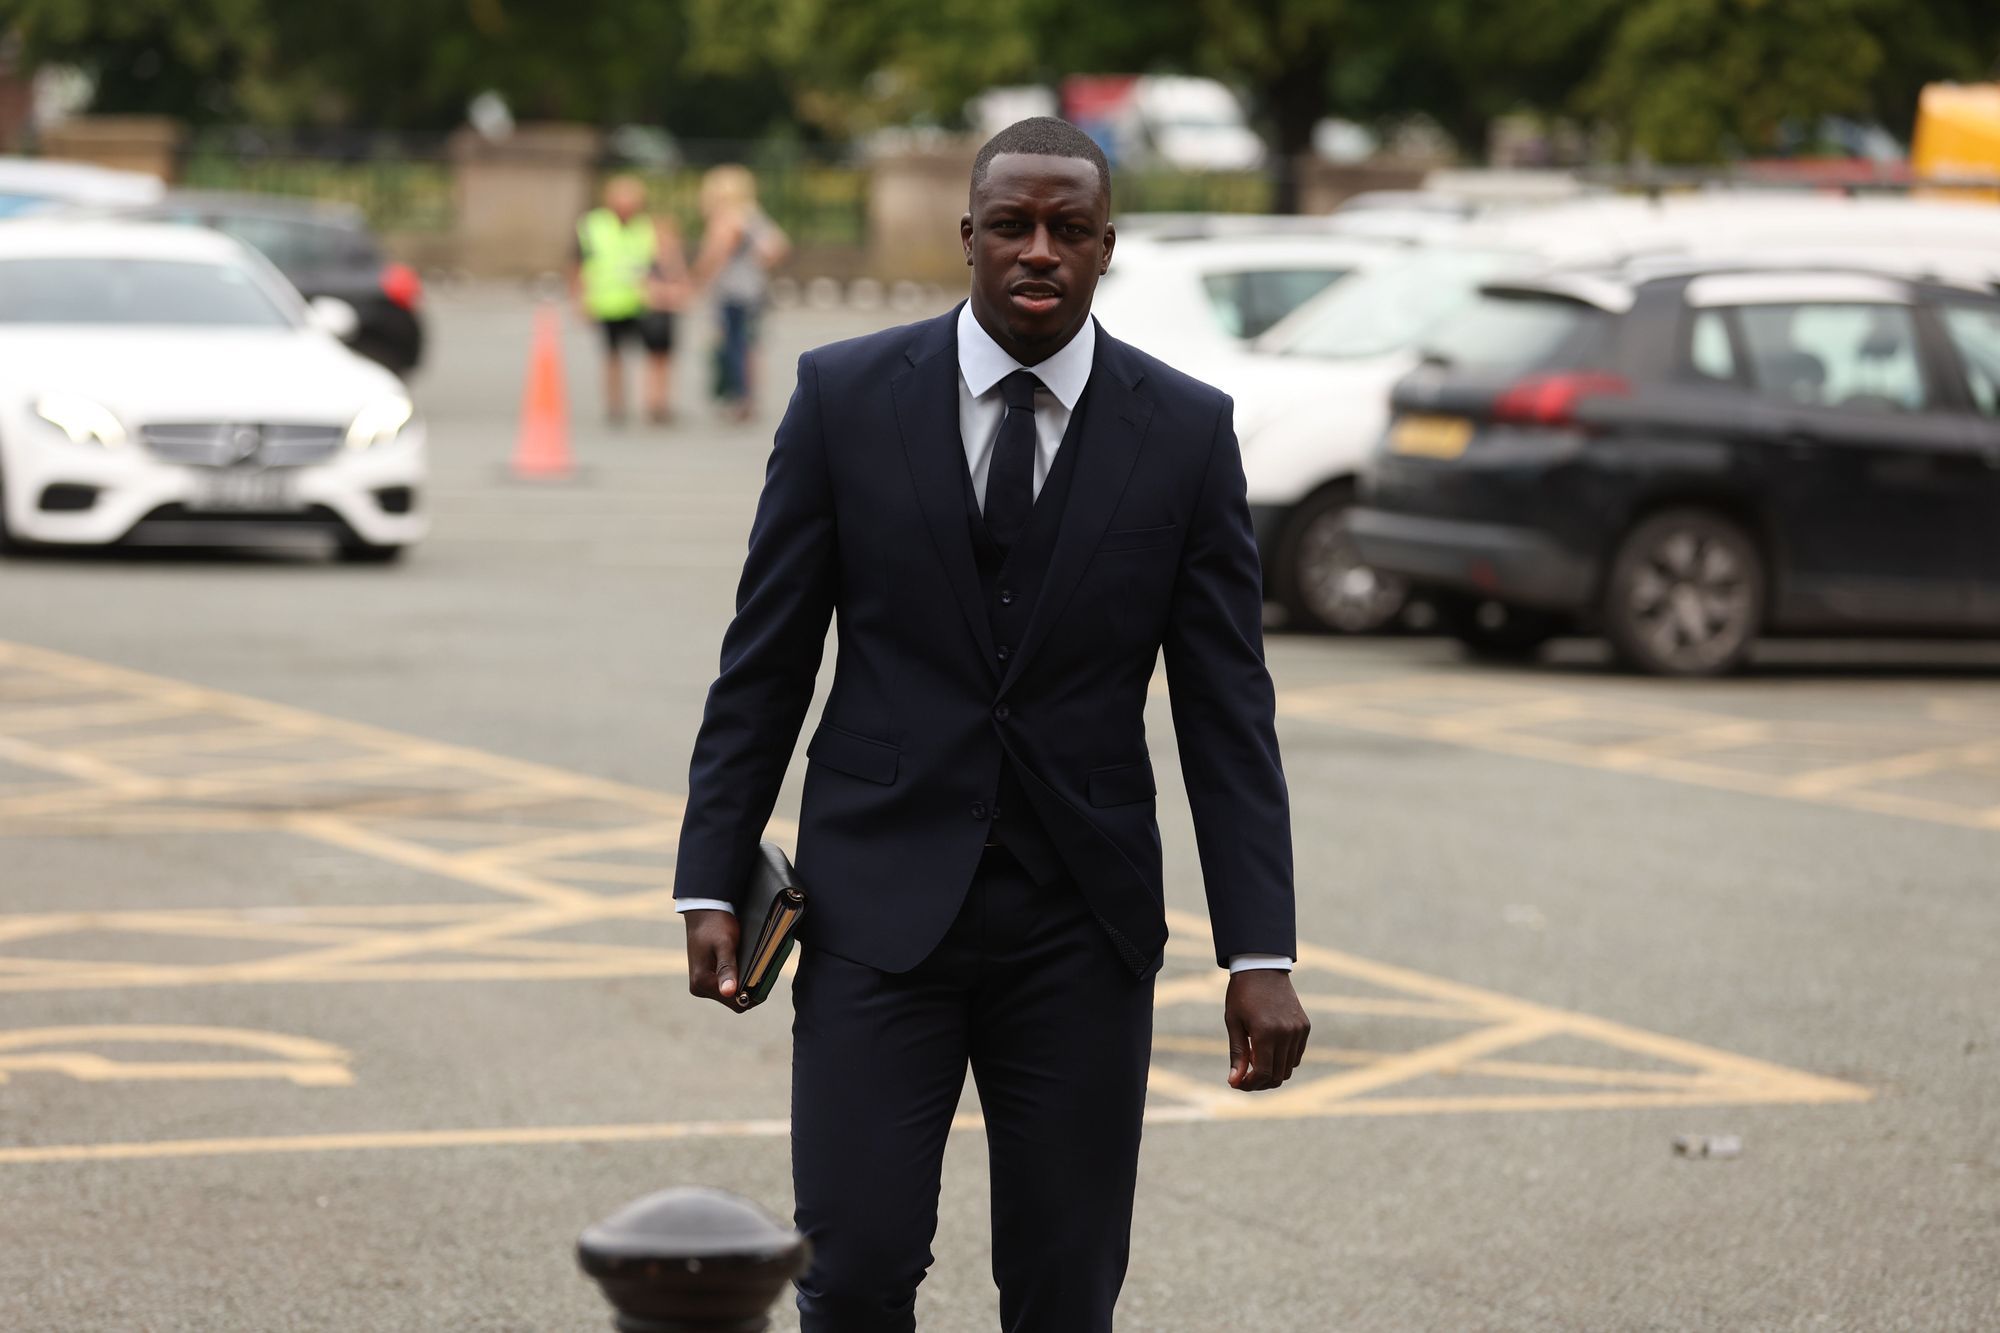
1041, 251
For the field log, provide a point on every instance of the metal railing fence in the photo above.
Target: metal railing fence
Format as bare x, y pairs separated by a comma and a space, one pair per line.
400, 183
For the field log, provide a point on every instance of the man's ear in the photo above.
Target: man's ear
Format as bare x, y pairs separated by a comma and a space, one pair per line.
965, 237
1110, 240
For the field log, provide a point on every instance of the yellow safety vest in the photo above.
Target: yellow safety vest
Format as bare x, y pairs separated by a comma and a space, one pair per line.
616, 258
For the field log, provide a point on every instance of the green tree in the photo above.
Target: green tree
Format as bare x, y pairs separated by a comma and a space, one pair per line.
1466, 63
850, 66
1957, 40
1679, 80
1687, 81
1284, 51
412, 64
183, 58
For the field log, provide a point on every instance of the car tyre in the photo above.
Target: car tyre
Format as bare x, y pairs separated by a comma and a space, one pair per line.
1495, 632
355, 552
1685, 596
1322, 582
9, 543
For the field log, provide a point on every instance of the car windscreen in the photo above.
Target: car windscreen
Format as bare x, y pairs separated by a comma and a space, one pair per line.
1508, 332
134, 291
1387, 308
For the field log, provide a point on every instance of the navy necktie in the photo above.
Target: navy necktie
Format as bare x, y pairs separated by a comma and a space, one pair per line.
1010, 478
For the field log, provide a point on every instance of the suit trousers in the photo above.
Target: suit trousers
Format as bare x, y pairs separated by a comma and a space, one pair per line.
1026, 990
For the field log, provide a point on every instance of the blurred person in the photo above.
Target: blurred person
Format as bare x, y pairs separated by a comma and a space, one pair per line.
630, 277
739, 248
1010, 513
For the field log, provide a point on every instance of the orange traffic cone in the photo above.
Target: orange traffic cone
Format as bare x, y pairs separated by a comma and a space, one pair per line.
542, 452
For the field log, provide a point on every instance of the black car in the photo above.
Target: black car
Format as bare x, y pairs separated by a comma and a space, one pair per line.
1686, 461
325, 250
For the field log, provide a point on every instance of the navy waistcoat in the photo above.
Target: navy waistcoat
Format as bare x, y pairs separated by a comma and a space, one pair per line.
1012, 581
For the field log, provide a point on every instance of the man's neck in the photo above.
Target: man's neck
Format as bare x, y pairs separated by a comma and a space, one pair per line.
1031, 355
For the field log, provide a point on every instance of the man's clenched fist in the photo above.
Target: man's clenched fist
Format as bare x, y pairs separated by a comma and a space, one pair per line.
712, 938
1267, 1029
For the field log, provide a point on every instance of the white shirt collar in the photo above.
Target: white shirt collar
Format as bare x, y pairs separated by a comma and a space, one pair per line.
984, 363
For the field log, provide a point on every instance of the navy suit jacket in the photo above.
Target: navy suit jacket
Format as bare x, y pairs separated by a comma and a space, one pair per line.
863, 516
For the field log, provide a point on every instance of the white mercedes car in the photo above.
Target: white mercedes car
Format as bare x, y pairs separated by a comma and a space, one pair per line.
163, 384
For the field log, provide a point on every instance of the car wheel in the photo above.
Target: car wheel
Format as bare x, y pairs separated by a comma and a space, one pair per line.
367, 553
9, 543
1323, 583
1686, 595
1495, 631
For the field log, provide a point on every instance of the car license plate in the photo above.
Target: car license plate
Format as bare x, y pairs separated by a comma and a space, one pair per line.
244, 492
1430, 437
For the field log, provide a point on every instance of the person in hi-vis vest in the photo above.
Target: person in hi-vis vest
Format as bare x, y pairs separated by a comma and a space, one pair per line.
629, 278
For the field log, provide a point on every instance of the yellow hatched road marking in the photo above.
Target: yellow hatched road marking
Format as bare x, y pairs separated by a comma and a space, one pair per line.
1685, 745
301, 1060
529, 838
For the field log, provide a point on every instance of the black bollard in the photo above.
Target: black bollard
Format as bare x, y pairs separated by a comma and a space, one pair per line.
691, 1261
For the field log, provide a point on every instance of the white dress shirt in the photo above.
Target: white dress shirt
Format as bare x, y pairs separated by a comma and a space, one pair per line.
982, 364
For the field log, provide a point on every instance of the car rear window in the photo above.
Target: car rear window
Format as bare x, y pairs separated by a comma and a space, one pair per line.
296, 245
1518, 333
134, 291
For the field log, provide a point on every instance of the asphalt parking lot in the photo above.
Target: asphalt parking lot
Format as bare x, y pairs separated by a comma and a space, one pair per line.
339, 988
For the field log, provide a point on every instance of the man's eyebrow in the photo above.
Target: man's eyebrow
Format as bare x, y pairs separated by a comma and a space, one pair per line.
1072, 203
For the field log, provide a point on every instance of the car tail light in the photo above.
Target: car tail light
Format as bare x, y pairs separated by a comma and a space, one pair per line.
1550, 400
401, 284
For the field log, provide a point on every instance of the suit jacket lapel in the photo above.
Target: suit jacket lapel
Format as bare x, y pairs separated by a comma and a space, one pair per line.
926, 398
1115, 422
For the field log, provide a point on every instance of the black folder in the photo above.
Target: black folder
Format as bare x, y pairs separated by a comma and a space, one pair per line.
768, 915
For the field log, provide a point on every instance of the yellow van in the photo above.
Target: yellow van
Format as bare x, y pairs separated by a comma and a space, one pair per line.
1958, 137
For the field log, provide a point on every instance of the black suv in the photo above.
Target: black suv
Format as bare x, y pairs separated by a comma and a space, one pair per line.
1686, 461
326, 250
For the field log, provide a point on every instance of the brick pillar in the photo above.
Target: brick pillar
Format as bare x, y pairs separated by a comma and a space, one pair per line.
151, 144
1324, 186
914, 203
517, 201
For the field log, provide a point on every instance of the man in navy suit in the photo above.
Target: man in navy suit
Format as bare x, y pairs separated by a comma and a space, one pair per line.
1013, 515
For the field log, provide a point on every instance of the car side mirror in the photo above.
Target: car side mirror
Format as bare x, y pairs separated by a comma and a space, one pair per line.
332, 315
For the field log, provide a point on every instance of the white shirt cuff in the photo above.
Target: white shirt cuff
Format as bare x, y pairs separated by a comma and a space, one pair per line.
1249, 962
1242, 962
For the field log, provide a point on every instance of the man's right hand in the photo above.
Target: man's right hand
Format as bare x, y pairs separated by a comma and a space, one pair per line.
712, 938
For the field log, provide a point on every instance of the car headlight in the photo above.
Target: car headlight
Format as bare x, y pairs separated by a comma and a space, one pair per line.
380, 423
83, 421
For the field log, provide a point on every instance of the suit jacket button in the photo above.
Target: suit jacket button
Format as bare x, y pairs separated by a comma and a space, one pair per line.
1000, 713
979, 809
1002, 651
1006, 597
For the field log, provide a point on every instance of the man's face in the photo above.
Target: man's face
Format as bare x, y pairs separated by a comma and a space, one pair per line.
1038, 237
624, 197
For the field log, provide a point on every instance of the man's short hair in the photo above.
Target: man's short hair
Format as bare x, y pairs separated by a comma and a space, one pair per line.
1043, 136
